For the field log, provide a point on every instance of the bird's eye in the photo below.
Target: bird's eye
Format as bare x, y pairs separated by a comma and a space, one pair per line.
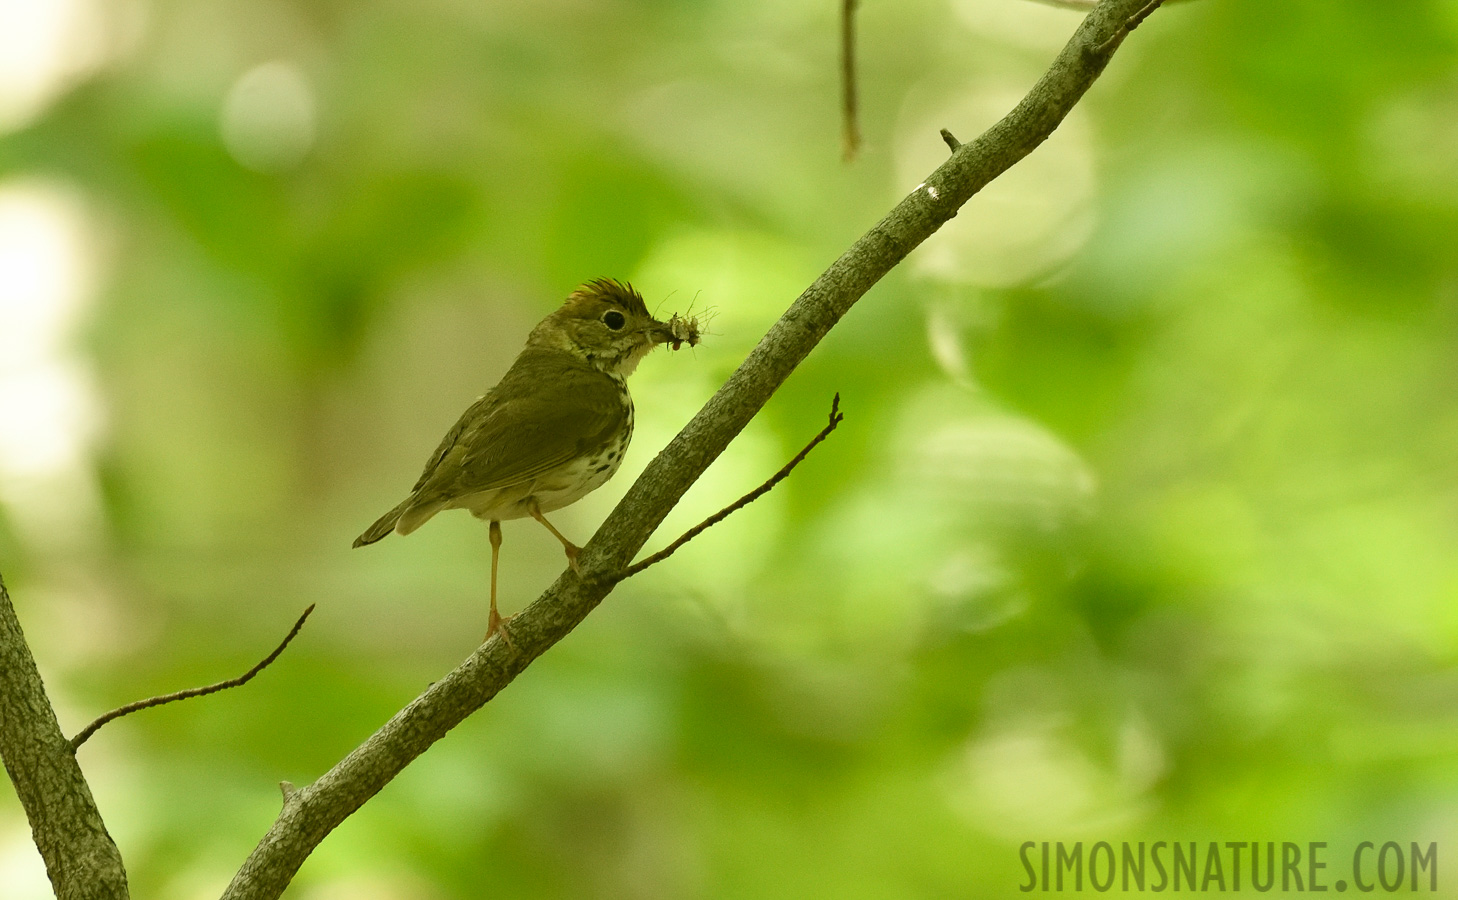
613, 319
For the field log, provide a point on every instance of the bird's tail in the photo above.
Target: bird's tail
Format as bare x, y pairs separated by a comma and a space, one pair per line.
384, 525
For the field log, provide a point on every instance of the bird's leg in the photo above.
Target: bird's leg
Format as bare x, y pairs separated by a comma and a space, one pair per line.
571, 548
495, 622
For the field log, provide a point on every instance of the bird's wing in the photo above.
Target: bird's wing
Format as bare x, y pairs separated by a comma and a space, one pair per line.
474, 411
549, 419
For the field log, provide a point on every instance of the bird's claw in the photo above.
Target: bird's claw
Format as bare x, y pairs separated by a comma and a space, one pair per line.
496, 624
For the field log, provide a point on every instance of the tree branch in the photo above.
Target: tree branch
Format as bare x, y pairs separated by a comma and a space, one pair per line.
835, 419
81, 858
1131, 23
188, 694
313, 811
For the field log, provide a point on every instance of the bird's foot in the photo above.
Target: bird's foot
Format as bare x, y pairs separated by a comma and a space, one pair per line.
496, 624
572, 552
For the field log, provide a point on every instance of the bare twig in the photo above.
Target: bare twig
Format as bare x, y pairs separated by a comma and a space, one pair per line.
951, 139
835, 419
150, 702
850, 118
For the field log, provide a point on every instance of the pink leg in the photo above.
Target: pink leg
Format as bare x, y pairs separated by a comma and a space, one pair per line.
571, 548
495, 622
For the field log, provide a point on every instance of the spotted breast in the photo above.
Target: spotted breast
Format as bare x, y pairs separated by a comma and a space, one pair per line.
585, 474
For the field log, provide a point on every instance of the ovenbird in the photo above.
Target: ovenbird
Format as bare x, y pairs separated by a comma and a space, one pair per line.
553, 430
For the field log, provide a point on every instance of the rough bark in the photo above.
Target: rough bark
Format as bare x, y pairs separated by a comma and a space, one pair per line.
81, 859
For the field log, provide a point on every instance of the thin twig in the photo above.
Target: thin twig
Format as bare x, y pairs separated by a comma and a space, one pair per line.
1131, 23
835, 419
241, 680
850, 121
951, 139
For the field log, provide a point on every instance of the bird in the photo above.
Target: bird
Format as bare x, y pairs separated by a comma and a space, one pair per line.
553, 430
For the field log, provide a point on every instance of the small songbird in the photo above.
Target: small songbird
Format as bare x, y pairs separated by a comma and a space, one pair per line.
552, 431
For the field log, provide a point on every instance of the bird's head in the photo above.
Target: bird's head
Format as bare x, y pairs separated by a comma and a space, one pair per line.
606, 323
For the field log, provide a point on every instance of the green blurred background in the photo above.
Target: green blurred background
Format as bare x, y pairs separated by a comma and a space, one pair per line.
1141, 525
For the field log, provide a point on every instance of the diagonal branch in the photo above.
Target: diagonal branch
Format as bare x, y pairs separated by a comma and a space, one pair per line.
313, 811
81, 858
189, 693
836, 416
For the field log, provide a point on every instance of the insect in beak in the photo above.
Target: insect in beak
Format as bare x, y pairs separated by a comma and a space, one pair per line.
683, 330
